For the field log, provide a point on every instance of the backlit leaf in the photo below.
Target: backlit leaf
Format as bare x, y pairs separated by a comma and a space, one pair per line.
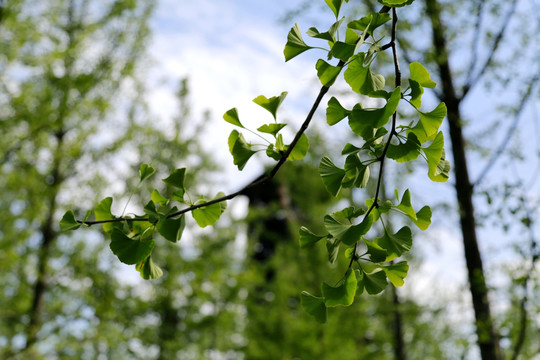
335, 6
331, 175
145, 171
335, 112
69, 222
295, 44
369, 22
396, 3
360, 78
327, 73
374, 283
429, 123
176, 179
272, 128
407, 151
271, 104
240, 149
342, 295
103, 212
149, 270
397, 272
300, 150
171, 229
207, 215
420, 74
231, 116
396, 244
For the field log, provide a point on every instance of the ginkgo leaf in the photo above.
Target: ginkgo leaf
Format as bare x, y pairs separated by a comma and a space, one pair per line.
295, 44
342, 295
314, 306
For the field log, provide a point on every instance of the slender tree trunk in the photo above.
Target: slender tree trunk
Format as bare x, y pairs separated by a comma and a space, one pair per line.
487, 338
399, 343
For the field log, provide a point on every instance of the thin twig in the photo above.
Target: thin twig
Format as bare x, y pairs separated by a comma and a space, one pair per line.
494, 47
511, 130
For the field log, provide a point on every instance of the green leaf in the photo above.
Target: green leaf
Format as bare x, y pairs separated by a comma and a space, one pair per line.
438, 166
342, 51
150, 210
295, 44
422, 218
103, 212
342, 228
207, 215
357, 173
314, 306
149, 270
374, 283
342, 295
331, 175
130, 251
396, 244
307, 238
376, 253
335, 112
332, 246
300, 150
416, 94
335, 6
364, 122
327, 73
396, 3
360, 78
240, 149
176, 179
272, 128
171, 229
420, 74
158, 198
369, 23
429, 123
349, 149
407, 151
69, 222
273, 154
397, 272
314, 32
270, 104
145, 171
231, 116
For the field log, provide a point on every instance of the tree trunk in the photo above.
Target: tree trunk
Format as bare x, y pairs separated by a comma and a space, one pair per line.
487, 339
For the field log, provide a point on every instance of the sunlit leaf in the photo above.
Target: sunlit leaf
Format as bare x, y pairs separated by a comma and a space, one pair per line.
176, 178
376, 253
300, 150
271, 104
438, 166
369, 22
406, 151
429, 123
149, 270
158, 198
420, 74
240, 149
396, 3
145, 171
69, 222
327, 73
331, 175
231, 116
364, 122
103, 212
335, 112
295, 44
272, 128
396, 244
397, 272
342, 295
335, 6
360, 78
342, 51
422, 218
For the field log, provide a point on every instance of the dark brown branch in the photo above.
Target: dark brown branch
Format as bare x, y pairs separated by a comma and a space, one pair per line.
494, 47
270, 175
